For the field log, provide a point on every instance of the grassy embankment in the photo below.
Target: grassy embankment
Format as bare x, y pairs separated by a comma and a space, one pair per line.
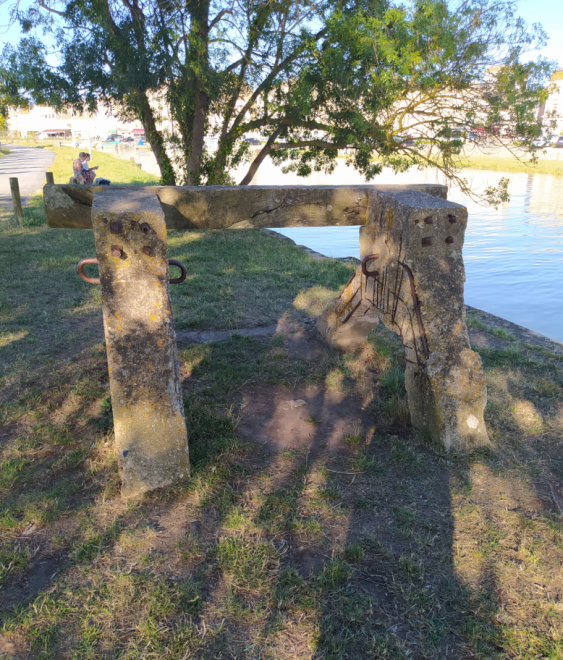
4, 152
115, 169
553, 167
262, 553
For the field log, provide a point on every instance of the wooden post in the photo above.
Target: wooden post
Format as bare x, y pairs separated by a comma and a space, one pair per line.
16, 199
50, 177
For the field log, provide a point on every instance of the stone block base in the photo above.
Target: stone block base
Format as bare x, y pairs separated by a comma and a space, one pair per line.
411, 279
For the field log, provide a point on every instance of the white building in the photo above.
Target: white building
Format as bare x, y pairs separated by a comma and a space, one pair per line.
552, 110
42, 121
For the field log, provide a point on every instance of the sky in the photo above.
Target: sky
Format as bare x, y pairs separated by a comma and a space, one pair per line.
547, 12
550, 14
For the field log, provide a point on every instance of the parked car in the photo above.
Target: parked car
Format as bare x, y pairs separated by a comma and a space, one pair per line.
452, 134
252, 141
545, 141
559, 143
406, 140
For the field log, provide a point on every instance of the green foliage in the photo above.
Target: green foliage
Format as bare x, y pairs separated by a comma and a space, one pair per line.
13, 559
310, 78
354, 552
334, 575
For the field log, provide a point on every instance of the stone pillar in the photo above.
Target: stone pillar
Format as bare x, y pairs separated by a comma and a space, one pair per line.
150, 428
411, 279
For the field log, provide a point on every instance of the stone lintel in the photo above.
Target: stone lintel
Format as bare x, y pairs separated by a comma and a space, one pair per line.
150, 429
233, 207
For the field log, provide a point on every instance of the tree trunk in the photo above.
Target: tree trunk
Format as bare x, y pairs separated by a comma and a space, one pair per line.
199, 37
156, 141
198, 136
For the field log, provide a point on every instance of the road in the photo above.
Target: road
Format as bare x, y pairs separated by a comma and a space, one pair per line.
29, 165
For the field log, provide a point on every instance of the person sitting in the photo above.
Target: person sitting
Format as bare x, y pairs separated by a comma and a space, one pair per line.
77, 168
88, 173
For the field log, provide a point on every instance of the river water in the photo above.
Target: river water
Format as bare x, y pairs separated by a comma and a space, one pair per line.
513, 256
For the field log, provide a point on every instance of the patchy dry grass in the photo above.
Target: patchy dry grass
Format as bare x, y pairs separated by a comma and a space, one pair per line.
382, 549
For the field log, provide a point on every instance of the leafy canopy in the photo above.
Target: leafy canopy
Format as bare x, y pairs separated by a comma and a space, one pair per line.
396, 85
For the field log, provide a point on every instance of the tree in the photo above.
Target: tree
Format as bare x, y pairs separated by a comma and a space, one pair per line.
312, 77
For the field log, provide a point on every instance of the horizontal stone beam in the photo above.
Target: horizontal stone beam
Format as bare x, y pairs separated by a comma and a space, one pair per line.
233, 207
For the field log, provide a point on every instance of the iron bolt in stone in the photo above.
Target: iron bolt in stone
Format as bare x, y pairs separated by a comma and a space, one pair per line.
426, 242
116, 250
147, 251
449, 240
115, 227
145, 227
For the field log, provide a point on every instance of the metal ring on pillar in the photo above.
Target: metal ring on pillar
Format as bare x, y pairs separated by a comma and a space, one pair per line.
178, 280
365, 271
96, 280
81, 264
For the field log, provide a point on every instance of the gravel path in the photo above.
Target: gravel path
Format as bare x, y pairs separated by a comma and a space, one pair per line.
29, 165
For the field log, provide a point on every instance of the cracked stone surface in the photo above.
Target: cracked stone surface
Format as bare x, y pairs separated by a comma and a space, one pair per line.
233, 207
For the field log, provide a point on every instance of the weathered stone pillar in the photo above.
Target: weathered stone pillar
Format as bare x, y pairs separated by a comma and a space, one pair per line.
150, 429
411, 278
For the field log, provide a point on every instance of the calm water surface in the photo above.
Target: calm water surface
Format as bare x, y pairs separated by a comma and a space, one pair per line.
513, 256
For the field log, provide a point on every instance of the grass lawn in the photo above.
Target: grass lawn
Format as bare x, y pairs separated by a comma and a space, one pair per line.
553, 167
116, 170
358, 542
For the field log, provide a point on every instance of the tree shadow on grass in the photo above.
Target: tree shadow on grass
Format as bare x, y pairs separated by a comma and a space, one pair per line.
410, 561
286, 559
267, 553
368, 575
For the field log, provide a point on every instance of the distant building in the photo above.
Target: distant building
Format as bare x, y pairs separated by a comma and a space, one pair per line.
44, 122
552, 109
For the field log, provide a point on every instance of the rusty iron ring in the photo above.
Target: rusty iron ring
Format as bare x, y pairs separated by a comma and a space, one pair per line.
365, 271
96, 280
178, 280
81, 264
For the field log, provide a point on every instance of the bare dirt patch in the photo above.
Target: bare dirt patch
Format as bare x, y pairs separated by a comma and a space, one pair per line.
315, 523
